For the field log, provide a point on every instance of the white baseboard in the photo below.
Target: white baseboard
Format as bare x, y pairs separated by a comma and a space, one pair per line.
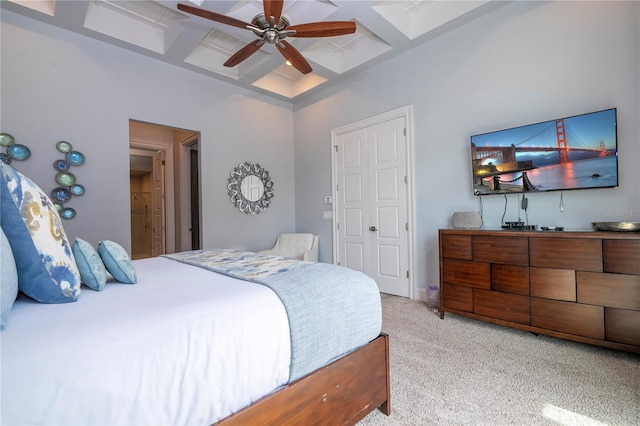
420, 294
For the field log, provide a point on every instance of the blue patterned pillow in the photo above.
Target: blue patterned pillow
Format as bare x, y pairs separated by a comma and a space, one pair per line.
8, 279
117, 261
47, 270
92, 271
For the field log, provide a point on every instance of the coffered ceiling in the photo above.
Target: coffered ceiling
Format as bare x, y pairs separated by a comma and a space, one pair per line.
159, 30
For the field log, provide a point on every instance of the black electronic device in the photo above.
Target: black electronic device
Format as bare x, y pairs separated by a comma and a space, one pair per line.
513, 224
519, 226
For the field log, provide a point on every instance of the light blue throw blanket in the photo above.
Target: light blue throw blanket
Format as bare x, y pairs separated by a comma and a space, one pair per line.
332, 310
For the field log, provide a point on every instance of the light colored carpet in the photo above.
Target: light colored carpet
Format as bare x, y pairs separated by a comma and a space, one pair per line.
460, 371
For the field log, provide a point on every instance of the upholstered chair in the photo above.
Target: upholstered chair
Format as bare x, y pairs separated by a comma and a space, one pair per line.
295, 246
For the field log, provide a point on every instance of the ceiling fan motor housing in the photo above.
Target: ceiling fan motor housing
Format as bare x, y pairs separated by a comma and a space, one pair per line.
266, 32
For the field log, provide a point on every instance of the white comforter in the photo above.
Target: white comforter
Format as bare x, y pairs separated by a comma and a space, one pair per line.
183, 346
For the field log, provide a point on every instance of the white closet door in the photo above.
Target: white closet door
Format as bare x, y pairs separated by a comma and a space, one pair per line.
372, 209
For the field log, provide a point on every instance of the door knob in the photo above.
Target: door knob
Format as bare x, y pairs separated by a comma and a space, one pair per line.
373, 228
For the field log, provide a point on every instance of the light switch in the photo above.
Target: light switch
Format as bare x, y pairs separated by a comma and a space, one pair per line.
327, 214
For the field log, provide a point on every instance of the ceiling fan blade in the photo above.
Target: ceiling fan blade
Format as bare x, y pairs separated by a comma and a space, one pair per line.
273, 8
244, 53
323, 29
213, 16
294, 57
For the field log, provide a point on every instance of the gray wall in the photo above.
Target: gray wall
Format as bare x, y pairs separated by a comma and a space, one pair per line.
57, 85
526, 62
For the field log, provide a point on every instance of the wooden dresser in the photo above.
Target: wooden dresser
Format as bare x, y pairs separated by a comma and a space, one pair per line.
582, 286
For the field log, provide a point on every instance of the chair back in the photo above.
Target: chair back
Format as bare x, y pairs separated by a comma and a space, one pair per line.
295, 245
302, 246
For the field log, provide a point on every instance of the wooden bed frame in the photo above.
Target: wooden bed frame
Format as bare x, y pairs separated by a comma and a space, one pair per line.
343, 392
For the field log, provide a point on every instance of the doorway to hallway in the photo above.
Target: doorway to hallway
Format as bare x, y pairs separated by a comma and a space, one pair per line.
165, 189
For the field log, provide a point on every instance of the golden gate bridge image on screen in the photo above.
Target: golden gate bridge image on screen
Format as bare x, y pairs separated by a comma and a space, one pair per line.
491, 162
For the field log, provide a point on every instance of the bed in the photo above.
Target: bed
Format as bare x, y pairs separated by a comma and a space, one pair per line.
203, 337
185, 345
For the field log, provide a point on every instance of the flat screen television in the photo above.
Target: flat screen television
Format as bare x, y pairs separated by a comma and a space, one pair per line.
577, 152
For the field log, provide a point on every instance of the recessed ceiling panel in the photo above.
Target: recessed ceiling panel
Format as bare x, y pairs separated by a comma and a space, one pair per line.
216, 48
47, 7
287, 81
142, 23
340, 54
305, 11
417, 17
296, 11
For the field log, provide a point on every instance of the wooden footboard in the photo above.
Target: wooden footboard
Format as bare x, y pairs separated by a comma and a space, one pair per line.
343, 392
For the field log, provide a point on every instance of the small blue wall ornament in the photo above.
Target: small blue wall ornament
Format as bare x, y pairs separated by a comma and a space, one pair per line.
14, 151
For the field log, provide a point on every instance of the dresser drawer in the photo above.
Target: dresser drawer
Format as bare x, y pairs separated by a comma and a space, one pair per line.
568, 317
458, 297
621, 256
505, 250
558, 284
456, 247
510, 279
504, 306
566, 253
622, 326
613, 290
464, 272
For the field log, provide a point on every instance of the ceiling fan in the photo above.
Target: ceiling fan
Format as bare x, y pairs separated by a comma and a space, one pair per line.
271, 27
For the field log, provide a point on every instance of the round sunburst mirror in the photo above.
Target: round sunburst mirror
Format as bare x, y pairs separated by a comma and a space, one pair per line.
250, 188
